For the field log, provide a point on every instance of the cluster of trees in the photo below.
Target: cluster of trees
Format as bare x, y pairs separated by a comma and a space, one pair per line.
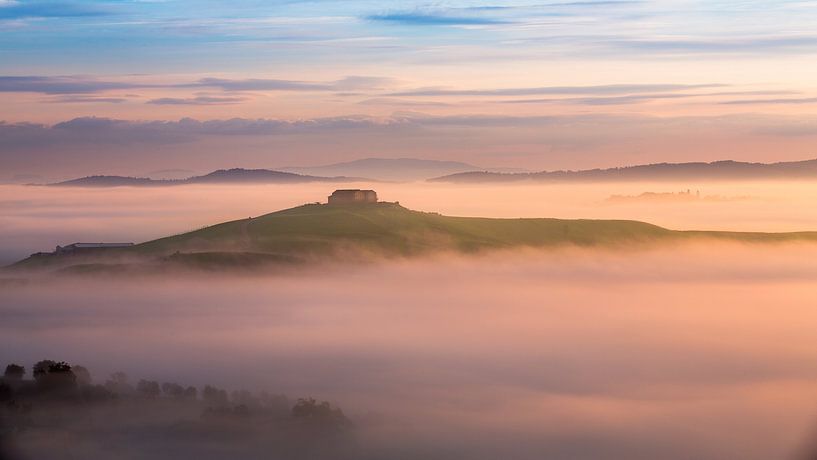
58, 381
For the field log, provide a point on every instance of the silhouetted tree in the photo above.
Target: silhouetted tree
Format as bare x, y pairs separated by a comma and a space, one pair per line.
275, 402
214, 397
245, 398
82, 374
173, 390
55, 378
148, 388
320, 414
14, 372
6, 394
118, 384
191, 393
40, 369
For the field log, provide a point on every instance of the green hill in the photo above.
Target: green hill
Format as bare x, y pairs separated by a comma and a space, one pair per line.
388, 228
354, 232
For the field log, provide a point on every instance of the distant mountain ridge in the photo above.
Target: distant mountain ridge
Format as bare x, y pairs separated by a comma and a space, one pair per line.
716, 170
221, 176
392, 169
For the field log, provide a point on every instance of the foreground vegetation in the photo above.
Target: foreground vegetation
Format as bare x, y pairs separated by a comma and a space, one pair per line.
62, 413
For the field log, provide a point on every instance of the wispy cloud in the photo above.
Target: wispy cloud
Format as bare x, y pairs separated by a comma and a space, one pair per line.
647, 97
60, 85
717, 45
198, 100
349, 83
73, 99
434, 19
802, 100
589, 90
86, 85
260, 84
612, 100
395, 102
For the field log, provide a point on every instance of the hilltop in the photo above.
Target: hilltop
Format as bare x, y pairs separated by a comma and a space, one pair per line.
316, 232
717, 170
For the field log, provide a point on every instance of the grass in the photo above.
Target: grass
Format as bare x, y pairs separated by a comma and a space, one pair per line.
391, 229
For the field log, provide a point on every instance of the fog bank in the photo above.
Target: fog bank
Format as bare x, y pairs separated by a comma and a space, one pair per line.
703, 352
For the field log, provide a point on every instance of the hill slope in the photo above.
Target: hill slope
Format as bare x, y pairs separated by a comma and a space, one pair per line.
384, 229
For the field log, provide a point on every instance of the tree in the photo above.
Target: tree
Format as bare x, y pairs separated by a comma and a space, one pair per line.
148, 388
173, 390
40, 369
214, 397
83, 375
55, 377
191, 393
319, 413
118, 384
14, 372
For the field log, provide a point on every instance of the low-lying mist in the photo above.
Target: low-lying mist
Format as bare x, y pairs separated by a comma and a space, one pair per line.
699, 351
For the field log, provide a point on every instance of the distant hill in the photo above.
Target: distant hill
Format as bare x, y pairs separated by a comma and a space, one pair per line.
360, 232
718, 170
390, 169
112, 181
222, 176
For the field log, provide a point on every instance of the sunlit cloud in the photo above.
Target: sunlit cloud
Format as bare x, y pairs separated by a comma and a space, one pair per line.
198, 100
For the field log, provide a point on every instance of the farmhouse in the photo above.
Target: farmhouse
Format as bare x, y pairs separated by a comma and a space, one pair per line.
353, 196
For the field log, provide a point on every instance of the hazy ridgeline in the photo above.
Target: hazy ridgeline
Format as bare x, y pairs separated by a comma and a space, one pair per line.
703, 352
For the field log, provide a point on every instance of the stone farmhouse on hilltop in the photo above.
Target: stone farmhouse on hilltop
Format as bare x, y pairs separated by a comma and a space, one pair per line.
351, 196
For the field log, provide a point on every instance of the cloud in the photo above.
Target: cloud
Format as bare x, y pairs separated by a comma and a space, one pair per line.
716, 45
87, 145
198, 100
596, 3
589, 90
432, 19
402, 102
640, 98
613, 100
356, 82
802, 100
60, 84
86, 99
49, 9
259, 84
82, 84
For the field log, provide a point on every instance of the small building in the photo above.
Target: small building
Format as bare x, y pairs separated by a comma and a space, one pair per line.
353, 196
71, 248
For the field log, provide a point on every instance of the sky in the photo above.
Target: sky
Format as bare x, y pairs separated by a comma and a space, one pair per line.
129, 86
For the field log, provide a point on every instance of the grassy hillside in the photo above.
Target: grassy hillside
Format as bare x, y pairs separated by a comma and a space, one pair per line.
317, 231
391, 229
